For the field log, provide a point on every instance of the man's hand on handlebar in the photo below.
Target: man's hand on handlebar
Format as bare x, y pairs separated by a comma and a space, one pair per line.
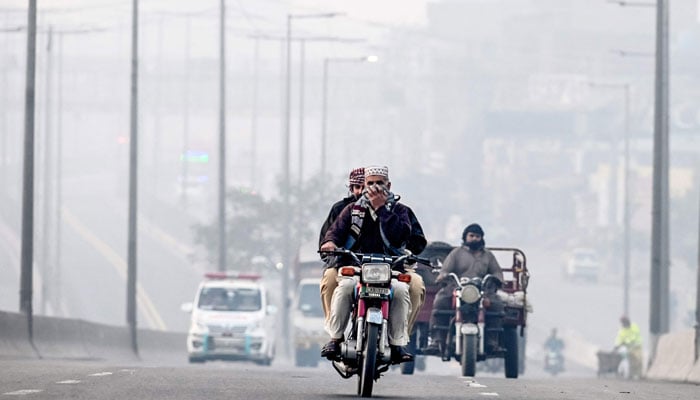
328, 246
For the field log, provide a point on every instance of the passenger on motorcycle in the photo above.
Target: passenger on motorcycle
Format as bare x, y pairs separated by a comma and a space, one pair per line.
470, 260
375, 223
416, 244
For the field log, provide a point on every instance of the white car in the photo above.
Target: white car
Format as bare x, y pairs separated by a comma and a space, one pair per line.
309, 334
583, 264
231, 320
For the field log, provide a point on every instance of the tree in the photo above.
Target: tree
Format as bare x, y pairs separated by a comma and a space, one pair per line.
254, 224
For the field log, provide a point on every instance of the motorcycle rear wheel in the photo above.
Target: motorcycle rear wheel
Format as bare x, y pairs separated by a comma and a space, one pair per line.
368, 362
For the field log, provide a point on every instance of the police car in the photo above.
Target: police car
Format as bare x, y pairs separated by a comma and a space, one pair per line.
231, 320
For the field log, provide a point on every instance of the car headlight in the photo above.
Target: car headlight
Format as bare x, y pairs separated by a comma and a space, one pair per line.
376, 273
470, 294
200, 328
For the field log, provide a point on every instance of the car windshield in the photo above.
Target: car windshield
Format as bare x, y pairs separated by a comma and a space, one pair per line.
230, 299
310, 301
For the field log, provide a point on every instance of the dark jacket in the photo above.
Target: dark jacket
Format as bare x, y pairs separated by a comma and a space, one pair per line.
396, 225
336, 209
416, 242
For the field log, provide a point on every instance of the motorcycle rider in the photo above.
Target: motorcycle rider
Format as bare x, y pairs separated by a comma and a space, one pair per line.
416, 244
555, 345
470, 260
375, 223
630, 337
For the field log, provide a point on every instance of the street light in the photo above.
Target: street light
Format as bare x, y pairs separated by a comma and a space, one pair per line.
626, 211
324, 109
286, 255
302, 40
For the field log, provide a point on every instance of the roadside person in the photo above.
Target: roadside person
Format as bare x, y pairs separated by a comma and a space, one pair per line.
630, 337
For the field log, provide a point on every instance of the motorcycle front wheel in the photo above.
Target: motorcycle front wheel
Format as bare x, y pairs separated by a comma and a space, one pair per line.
368, 362
469, 349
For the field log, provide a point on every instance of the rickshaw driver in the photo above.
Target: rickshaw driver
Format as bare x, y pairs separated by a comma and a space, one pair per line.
471, 259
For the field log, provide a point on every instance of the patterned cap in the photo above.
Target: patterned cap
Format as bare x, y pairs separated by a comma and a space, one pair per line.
357, 177
377, 170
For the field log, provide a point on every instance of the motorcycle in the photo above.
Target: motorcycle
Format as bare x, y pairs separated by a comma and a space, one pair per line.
366, 350
553, 362
467, 330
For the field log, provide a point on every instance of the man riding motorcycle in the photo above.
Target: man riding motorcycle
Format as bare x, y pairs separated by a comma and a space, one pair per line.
469, 260
416, 243
554, 347
375, 223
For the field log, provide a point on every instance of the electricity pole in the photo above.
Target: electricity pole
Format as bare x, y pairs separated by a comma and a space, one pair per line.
222, 137
133, 183
26, 277
660, 257
46, 214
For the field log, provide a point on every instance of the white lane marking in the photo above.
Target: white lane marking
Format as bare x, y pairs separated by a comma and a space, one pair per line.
492, 394
130, 371
22, 392
101, 374
476, 385
68, 382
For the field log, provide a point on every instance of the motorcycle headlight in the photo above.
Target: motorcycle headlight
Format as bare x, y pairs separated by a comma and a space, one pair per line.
376, 273
470, 294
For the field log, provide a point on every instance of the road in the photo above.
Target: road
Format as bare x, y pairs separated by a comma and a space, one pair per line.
95, 380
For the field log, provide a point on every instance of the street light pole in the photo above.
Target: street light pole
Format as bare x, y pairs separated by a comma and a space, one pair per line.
26, 275
131, 315
626, 206
287, 256
222, 136
660, 255
46, 214
324, 117
302, 45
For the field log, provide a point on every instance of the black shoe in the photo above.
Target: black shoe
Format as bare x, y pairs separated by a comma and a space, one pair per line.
399, 355
331, 350
434, 349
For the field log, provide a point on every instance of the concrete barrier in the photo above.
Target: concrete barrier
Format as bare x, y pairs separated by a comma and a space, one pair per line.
694, 375
106, 342
61, 338
674, 359
14, 338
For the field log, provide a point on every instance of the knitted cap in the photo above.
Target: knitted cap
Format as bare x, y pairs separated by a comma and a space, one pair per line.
377, 170
357, 177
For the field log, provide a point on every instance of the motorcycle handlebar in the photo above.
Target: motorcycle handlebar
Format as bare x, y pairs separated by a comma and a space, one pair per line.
358, 257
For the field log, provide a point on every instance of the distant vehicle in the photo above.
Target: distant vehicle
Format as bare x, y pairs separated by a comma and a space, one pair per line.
309, 333
583, 265
231, 320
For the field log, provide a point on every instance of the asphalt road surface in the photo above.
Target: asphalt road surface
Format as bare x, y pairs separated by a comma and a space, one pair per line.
95, 380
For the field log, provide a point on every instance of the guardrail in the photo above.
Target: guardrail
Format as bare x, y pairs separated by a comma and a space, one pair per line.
77, 339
